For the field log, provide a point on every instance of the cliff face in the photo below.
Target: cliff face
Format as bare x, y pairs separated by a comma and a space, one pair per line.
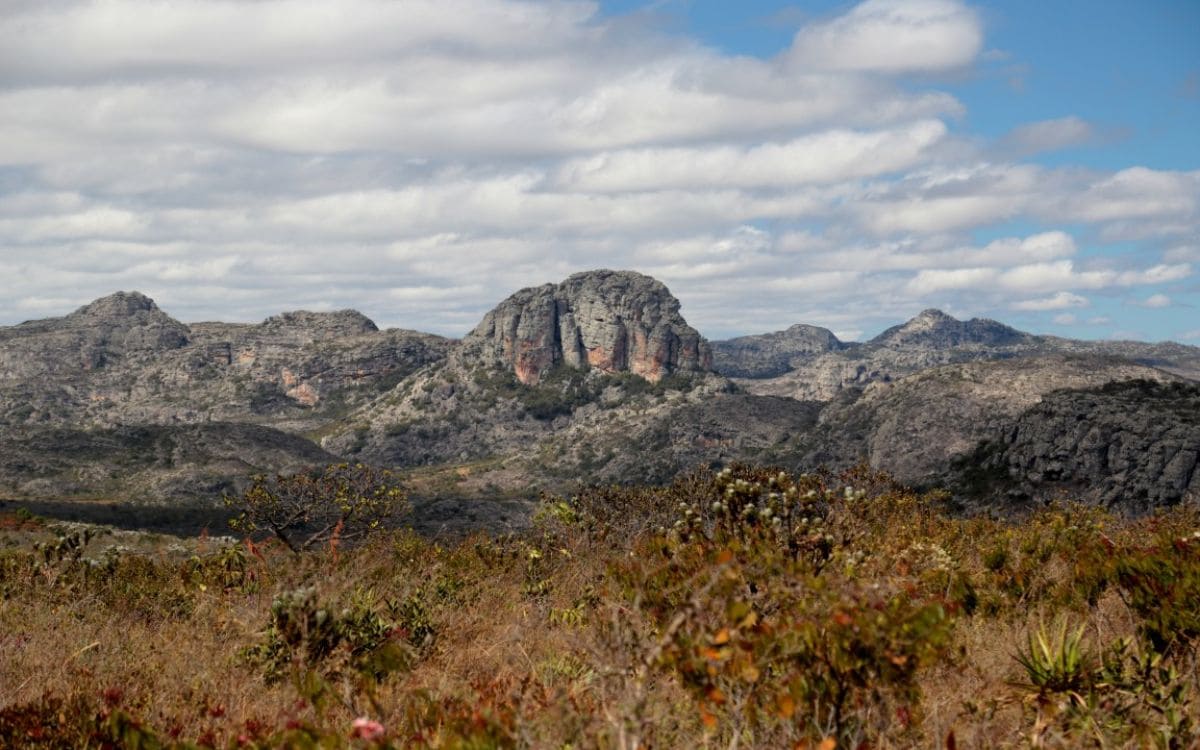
613, 321
1133, 445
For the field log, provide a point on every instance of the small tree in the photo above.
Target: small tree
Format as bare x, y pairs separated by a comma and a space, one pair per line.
309, 508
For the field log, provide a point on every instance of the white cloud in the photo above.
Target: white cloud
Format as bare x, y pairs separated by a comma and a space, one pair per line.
892, 36
828, 156
421, 160
1059, 301
1156, 301
1066, 319
1136, 193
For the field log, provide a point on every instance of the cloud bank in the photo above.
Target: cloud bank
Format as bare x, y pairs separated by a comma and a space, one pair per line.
420, 160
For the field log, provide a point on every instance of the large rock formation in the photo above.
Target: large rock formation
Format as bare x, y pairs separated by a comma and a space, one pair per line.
613, 321
121, 360
1132, 445
768, 355
98, 335
915, 427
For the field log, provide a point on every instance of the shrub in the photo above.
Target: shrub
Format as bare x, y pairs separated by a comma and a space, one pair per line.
342, 501
1161, 583
303, 636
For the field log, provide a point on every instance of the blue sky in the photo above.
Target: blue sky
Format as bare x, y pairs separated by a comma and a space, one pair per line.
838, 163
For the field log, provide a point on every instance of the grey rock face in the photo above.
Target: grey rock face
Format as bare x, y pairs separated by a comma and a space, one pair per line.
915, 427
613, 321
771, 354
102, 334
1134, 445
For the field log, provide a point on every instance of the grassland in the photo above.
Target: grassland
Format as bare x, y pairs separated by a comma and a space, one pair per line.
736, 610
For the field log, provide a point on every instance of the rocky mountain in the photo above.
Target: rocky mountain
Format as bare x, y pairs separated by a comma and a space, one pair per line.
612, 321
769, 355
934, 329
121, 360
116, 329
597, 378
915, 427
930, 339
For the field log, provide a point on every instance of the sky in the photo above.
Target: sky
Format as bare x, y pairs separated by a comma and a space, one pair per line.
834, 163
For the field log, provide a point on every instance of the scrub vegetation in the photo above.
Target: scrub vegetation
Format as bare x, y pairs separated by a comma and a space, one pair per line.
736, 609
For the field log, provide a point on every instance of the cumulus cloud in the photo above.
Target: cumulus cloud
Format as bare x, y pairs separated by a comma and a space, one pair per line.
421, 159
892, 36
1156, 301
1060, 301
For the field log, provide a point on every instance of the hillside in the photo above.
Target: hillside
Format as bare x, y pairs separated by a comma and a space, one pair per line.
598, 378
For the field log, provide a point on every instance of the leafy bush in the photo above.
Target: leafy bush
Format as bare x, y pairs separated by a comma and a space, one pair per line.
342, 501
303, 637
1161, 583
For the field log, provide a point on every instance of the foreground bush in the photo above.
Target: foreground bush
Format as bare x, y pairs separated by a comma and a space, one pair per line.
746, 608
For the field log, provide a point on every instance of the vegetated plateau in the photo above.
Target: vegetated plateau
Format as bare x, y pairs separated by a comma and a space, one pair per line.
583, 525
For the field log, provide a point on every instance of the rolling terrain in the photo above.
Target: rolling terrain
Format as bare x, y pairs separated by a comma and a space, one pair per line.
598, 379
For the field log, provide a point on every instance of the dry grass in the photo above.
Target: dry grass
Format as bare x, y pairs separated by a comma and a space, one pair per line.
579, 634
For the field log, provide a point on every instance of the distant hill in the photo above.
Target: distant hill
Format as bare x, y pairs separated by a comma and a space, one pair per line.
597, 378
783, 364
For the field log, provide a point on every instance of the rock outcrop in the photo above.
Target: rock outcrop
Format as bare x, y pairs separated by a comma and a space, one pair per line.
768, 355
914, 428
1131, 445
111, 329
612, 321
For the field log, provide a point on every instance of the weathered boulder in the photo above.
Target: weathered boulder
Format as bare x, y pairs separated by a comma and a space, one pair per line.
613, 321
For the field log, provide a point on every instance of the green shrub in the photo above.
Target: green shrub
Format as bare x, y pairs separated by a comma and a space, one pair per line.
1161, 583
303, 637
341, 501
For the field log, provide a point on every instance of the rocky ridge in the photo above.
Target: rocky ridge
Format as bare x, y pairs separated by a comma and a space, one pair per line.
930, 339
916, 427
594, 379
769, 355
138, 365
